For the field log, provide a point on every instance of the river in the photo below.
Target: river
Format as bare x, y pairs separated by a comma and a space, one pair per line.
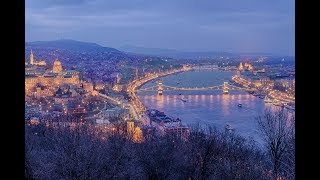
207, 107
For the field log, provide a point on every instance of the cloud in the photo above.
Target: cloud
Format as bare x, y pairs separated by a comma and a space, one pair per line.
145, 22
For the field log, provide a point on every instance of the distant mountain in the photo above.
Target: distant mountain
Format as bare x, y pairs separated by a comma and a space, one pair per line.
71, 52
68, 44
173, 53
149, 51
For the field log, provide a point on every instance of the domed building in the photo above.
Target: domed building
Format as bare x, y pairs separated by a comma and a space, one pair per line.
50, 79
57, 67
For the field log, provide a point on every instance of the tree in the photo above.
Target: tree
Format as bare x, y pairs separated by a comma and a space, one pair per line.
277, 130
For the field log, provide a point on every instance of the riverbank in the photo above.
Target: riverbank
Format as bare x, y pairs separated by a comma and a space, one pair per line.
135, 102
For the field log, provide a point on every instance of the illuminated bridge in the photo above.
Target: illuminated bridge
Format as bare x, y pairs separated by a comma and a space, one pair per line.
160, 87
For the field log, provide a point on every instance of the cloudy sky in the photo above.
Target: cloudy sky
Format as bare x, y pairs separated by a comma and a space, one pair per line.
192, 25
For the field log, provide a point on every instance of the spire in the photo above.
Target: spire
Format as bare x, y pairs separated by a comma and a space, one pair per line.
137, 74
31, 58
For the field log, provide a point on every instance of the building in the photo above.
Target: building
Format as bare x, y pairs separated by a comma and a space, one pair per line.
267, 82
241, 67
34, 62
117, 87
104, 116
50, 79
87, 86
179, 131
137, 136
63, 97
130, 128
134, 132
257, 83
246, 67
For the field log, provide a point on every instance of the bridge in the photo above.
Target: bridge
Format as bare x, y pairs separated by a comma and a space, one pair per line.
160, 87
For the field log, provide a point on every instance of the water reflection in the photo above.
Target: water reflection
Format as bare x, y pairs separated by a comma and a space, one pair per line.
232, 97
160, 103
174, 100
225, 104
209, 107
211, 98
196, 100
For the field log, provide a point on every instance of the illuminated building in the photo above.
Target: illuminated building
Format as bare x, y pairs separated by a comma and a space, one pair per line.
49, 80
134, 132
99, 86
34, 62
247, 66
57, 67
261, 70
64, 97
240, 67
117, 88
257, 83
130, 127
137, 136
267, 82
87, 86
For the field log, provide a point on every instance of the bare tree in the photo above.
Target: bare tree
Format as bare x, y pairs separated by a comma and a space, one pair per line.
55, 150
277, 131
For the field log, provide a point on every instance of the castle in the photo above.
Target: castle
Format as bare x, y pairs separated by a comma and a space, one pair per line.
45, 82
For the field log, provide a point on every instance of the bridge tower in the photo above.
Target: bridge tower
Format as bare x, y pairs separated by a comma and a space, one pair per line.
160, 88
225, 88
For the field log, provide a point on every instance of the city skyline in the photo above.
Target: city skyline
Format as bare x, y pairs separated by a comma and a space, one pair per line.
179, 89
231, 26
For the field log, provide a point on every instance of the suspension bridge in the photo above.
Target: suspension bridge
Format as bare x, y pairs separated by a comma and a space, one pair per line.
160, 87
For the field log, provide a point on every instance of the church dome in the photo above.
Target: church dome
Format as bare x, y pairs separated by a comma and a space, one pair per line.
57, 67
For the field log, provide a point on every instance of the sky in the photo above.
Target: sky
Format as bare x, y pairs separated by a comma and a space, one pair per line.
240, 26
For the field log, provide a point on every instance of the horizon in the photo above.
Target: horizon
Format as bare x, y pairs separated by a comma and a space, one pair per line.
228, 26
178, 51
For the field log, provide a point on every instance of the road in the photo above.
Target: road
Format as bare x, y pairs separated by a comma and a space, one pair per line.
136, 104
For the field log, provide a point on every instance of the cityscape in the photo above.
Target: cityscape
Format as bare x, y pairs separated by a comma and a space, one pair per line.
96, 111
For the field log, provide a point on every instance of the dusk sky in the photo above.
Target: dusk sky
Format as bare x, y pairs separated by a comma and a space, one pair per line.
266, 26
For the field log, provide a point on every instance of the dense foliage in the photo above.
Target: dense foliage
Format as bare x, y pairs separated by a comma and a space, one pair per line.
83, 152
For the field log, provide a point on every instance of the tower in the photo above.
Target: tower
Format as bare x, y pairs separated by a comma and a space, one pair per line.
160, 88
137, 73
57, 67
130, 128
118, 78
240, 67
225, 88
31, 58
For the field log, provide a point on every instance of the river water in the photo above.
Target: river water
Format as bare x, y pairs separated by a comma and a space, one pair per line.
207, 107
